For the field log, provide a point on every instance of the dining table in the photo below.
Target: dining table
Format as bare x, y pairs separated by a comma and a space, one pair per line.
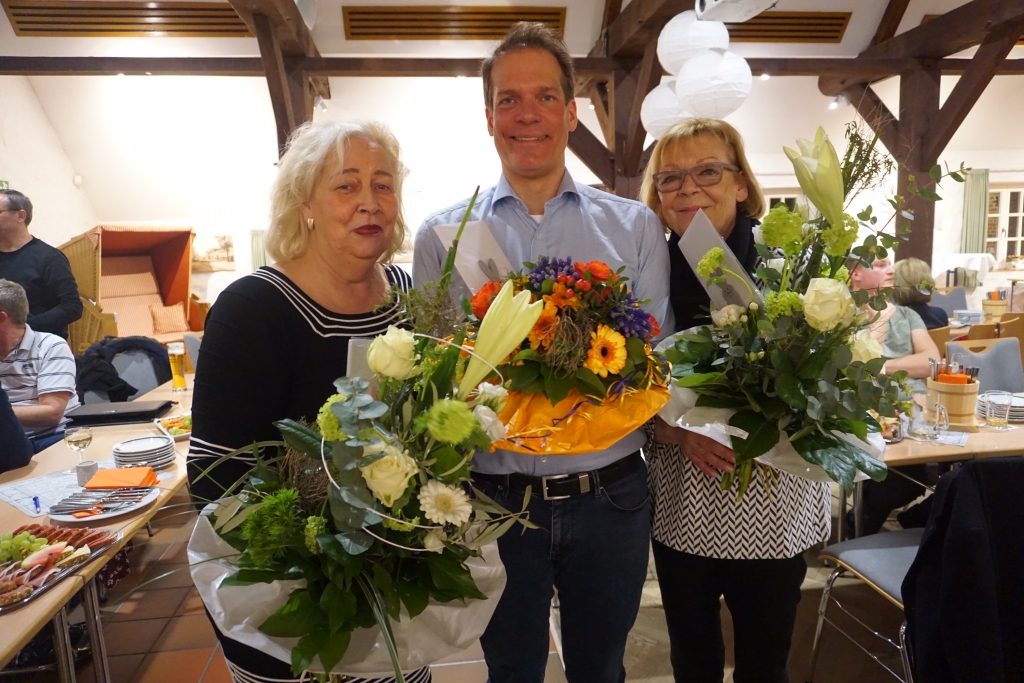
19, 626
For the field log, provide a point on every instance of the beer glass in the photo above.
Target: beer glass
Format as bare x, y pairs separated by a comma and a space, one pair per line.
176, 354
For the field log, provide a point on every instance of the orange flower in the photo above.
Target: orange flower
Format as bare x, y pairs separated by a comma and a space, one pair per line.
607, 352
599, 270
655, 327
562, 296
543, 331
481, 301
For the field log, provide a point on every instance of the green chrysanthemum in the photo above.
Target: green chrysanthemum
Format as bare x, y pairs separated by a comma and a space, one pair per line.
273, 526
710, 262
328, 423
843, 275
450, 421
781, 228
314, 527
401, 526
781, 303
839, 238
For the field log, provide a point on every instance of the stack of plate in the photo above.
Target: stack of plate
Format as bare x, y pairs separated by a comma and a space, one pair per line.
155, 451
1016, 408
968, 317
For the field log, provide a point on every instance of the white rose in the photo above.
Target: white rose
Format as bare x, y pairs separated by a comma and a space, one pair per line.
827, 303
865, 347
491, 395
434, 541
728, 315
490, 423
758, 235
776, 263
392, 354
388, 477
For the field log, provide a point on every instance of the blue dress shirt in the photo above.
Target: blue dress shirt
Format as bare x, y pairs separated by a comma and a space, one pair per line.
586, 225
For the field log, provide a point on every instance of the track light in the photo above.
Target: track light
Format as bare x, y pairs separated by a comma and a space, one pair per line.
765, 76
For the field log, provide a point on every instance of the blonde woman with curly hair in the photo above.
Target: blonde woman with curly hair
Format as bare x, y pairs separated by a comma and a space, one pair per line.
276, 340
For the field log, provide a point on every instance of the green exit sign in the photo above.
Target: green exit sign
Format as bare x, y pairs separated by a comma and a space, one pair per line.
4, 185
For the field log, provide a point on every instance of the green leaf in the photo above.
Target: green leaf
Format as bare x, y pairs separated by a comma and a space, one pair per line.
382, 580
343, 456
332, 547
717, 401
294, 619
248, 577
588, 383
698, 379
956, 176
529, 354
522, 375
762, 435
355, 542
842, 356
450, 575
414, 596
557, 387
935, 172
839, 459
300, 437
338, 605
303, 654
928, 195
790, 390
636, 349
813, 366
447, 458
858, 428
335, 648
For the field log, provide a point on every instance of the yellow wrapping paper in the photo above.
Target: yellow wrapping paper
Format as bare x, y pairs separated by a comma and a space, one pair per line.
536, 427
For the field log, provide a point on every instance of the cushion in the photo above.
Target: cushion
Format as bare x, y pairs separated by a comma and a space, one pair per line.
127, 276
169, 318
132, 313
882, 559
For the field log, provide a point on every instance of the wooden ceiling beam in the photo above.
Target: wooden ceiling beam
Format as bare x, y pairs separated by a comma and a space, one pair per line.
648, 77
874, 112
594, 155
891, 19
972, 84
640, 23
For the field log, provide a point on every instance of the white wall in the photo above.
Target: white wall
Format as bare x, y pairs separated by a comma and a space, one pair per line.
33, 161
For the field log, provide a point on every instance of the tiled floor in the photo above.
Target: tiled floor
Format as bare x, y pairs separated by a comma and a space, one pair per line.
157, 632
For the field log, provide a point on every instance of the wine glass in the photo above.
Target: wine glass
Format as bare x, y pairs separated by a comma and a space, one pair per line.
78, 439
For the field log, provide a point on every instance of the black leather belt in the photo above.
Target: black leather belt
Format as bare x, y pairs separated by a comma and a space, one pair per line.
562, 486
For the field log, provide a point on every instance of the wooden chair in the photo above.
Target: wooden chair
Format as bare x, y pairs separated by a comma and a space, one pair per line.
941, 336
983, 331
998, 360
1012, 325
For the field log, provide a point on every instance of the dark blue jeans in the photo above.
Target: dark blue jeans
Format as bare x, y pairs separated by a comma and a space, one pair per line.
41, 443
593, 548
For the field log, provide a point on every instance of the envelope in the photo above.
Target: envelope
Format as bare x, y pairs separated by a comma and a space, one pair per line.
122, 477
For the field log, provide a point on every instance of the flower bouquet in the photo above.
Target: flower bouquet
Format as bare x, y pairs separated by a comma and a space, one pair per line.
366, 517
584, 375
792, 385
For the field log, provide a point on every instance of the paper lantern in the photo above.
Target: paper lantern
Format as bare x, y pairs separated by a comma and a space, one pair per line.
713, 84
661, 110
684, 36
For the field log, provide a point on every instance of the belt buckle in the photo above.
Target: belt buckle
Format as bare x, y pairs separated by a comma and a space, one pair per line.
544, 486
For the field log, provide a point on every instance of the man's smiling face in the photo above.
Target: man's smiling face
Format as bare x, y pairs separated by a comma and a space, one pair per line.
529, 117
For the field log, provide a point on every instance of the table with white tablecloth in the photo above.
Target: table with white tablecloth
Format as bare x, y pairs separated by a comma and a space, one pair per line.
980, 263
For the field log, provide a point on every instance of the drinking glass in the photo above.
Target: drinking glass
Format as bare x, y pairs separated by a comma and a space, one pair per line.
176, 355
924, 424
997, 409
78, 439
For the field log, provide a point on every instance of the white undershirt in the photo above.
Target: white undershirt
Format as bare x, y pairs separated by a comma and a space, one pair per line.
537, 218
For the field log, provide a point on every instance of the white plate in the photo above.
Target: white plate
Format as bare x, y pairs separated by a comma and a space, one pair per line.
176, 437
143, 444
160, 452
149, 498
156, 463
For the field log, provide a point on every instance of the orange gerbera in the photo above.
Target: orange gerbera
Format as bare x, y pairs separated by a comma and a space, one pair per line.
544, 329
562, 296
481, 301
599, 270
655, 327
607, 351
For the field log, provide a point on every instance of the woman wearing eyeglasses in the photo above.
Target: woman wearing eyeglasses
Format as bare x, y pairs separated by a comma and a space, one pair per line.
706, 544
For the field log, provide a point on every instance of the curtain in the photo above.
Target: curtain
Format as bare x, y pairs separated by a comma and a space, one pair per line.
259, 252
972, 236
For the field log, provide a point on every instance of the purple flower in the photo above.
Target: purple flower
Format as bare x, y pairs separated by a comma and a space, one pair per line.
629, 319
549, 269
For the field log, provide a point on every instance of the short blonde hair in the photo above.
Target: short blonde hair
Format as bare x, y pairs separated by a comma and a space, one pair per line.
686, 129
910, 273
310, 147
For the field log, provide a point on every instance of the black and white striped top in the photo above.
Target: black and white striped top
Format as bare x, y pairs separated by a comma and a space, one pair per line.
41, 364
269, 353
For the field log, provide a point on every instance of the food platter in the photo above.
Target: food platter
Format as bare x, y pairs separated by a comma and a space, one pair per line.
21, 585
173, 426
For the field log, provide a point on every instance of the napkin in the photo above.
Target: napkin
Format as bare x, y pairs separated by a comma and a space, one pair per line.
122, 477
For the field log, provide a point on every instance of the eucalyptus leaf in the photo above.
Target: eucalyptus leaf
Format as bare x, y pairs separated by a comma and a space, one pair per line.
300, 437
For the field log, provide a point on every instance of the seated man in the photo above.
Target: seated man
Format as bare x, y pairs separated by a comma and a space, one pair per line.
15, 448
37, 371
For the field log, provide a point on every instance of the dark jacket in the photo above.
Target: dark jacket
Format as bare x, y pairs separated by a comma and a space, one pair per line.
933, 316
964, 594
15, 448
690, 301
95, 373
44, 272
111, 346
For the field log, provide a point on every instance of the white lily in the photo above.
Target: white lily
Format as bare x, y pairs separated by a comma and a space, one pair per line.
508, 321
820, 176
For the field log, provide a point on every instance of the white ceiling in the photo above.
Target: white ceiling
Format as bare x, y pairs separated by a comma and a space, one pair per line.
583, 20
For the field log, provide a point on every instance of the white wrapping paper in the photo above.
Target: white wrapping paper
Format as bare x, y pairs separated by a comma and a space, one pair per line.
441, 630
681, 411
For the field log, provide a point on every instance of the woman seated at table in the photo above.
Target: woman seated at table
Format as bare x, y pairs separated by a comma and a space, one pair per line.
15, 448
910, 275
906, 345
706, 544
276, 340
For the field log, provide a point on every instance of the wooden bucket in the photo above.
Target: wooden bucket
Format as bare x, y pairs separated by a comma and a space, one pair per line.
994, 307
960, 401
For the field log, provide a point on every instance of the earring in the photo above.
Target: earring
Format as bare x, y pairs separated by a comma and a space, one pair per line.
309, 223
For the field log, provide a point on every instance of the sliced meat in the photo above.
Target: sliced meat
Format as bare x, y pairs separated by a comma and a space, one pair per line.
44, 577
16, 595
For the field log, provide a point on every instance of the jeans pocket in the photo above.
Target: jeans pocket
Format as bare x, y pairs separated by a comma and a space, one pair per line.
629, 494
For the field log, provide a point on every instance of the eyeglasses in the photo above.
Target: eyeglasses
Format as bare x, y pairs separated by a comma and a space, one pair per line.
704, 175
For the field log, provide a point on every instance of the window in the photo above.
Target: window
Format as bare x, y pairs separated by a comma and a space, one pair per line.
1004, 234
788, 200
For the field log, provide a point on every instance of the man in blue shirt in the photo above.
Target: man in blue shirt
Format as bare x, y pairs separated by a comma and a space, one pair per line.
593, 509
